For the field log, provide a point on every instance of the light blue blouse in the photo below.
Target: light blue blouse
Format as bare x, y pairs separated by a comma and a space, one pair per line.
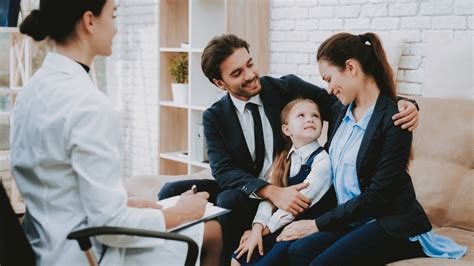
343, 153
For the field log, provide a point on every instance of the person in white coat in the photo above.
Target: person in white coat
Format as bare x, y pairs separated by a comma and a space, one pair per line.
67, 153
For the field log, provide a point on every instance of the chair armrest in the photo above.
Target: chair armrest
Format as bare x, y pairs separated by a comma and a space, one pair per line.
82, 237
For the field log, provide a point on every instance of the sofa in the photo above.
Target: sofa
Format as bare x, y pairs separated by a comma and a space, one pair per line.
442, 173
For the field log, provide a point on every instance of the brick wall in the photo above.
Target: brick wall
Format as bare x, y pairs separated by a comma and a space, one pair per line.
132, 83
297, 28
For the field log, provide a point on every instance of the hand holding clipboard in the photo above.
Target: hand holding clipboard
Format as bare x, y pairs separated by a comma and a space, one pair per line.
210, 211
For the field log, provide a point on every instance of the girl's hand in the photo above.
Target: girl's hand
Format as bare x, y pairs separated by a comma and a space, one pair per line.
254, 239
297, 230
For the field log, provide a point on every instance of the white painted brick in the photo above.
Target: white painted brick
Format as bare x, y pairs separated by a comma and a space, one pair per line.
410, 9
282, 25
463, 34
436, 7
296, 36
278, 58
416, 76
347, 11
415, 23
374, 10
383, 1
351, 2
400, 74
437, 35
306, 69
389, 23
282, 3
283, 46
297, 13
406, 49
297, 58
328, 2
321, 12
409, 88
278, 13
305, 2
410, 62
417, 49
319, 36
286, 68
307, 25
463, 7
357, 24
449, 22
330, 24
409, 35
470, 22
273, 68
277, 35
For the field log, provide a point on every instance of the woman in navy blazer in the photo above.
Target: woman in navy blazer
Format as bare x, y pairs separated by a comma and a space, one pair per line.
378, 219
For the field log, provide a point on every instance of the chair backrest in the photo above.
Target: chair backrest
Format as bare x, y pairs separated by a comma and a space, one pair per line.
14, 247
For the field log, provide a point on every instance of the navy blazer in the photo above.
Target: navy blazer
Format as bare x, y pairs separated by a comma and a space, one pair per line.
229, 156
387, 190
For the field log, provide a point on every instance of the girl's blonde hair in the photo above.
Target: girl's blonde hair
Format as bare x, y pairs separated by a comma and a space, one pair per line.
281, 165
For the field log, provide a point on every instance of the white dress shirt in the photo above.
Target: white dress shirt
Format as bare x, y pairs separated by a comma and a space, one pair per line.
246, 122
66, 155
319, 179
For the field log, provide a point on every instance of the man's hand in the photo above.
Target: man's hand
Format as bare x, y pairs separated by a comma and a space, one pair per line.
408, 116
297, 230
140, 203
288, 198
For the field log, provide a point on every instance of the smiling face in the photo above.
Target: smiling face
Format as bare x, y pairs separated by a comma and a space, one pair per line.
240, 76
342, 83
304, 123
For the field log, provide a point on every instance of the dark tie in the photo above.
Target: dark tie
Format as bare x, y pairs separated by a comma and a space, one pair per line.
258, 132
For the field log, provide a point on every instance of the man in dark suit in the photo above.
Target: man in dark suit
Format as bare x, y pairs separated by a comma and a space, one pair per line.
242, 131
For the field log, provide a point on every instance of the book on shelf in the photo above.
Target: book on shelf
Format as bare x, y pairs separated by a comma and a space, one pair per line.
9, 12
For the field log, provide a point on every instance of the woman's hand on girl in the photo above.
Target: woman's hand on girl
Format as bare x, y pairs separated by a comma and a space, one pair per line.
251, 239
297, 230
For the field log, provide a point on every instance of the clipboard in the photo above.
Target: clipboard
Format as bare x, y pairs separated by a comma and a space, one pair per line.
210, 213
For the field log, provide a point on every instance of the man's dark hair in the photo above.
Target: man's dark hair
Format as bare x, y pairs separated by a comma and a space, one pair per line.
218, 50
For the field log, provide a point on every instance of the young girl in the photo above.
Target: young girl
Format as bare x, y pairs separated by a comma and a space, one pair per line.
303, 160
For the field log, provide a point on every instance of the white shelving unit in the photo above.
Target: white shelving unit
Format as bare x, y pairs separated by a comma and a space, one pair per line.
193, 23
19, 73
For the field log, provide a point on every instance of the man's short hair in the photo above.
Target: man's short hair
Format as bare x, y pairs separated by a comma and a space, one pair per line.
217, 51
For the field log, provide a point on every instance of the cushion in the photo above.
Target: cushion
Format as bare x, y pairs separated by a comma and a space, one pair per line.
461, 206
448, 74
435, 183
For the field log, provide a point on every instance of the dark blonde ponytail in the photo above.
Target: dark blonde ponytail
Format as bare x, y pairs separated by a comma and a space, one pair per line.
365, 48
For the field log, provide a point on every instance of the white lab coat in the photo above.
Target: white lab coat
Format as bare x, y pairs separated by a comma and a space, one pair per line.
66, 155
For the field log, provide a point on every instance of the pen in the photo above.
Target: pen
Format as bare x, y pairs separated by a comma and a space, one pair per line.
194, 189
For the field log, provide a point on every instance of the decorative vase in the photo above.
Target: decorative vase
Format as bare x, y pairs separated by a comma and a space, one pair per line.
180, 93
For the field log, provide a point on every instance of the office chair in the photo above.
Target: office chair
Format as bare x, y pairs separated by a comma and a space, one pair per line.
15, 249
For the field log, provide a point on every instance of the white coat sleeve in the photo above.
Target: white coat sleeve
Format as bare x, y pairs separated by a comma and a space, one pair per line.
319, 179
96, 156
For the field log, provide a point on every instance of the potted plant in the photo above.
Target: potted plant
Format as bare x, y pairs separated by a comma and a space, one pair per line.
179, 70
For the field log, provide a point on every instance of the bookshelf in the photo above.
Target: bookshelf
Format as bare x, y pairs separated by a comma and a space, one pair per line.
185, 27
19, 71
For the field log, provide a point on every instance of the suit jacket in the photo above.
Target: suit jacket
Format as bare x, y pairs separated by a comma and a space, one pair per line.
387, 190
229, 157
